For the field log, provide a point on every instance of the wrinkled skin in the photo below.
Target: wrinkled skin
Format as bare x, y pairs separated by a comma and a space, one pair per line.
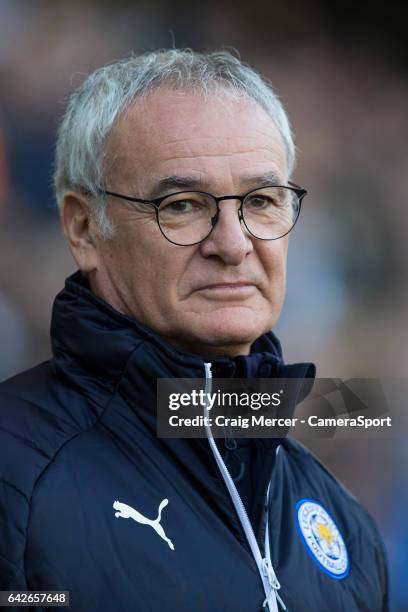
213, 298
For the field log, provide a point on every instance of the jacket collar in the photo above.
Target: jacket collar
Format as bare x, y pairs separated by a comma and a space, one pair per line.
88, 335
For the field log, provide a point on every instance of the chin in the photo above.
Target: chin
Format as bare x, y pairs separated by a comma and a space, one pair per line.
236, 332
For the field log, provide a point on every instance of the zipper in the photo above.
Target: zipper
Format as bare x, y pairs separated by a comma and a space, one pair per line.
267, 561
270, 582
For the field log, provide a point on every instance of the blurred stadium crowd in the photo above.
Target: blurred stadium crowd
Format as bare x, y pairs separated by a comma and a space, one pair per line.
345, 87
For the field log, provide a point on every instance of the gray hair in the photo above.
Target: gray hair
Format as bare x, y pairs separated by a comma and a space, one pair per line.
106, 94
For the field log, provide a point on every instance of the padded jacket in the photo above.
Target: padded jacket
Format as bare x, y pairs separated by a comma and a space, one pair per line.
94, 503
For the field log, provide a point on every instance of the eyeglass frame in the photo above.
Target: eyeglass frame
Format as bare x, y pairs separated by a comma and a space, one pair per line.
300, 192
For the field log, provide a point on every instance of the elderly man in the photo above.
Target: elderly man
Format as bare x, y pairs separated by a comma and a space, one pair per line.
173, 179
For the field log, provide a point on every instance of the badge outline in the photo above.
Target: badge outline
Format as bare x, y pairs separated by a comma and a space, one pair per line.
309, 550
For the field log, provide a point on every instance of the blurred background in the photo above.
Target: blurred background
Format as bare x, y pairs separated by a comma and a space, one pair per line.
340, 69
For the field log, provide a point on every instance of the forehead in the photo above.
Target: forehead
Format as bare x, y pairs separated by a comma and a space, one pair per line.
175, 132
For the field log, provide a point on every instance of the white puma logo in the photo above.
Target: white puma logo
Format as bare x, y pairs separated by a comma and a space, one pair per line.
125, 511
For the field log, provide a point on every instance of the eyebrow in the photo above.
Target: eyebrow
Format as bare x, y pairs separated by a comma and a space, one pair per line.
197, 183
177, 182
270, 178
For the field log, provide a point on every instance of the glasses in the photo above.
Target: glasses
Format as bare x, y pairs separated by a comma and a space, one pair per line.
188, 217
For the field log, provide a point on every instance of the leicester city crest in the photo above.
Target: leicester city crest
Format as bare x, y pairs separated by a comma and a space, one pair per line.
322, 539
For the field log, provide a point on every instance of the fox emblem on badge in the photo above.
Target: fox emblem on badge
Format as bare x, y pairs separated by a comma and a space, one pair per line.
125, 511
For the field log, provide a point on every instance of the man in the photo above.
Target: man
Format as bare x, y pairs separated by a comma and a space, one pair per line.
173, 178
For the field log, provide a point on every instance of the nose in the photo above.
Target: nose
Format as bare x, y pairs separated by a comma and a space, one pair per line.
228, 240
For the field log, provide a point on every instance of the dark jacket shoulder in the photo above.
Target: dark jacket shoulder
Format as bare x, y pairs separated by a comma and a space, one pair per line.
39, 414
318, 476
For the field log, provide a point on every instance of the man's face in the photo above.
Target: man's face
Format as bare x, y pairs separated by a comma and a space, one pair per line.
211, 298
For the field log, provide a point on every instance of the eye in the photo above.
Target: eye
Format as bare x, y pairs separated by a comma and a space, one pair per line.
180, 207
268, 200
260, 201
189, 205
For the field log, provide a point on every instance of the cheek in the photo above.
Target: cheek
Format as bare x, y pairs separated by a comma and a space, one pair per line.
273, 254
158, 269
274, 262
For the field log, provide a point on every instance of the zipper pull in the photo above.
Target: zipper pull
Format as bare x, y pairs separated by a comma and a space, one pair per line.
269, 572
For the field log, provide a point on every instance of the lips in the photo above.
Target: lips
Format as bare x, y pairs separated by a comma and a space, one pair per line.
226, 285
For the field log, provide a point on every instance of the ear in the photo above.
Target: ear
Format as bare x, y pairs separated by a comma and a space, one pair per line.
77, 225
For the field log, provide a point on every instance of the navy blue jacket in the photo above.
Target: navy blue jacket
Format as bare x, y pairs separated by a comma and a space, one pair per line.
93, 502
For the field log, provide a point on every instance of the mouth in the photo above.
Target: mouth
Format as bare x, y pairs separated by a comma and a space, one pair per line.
238, 285
239, 290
